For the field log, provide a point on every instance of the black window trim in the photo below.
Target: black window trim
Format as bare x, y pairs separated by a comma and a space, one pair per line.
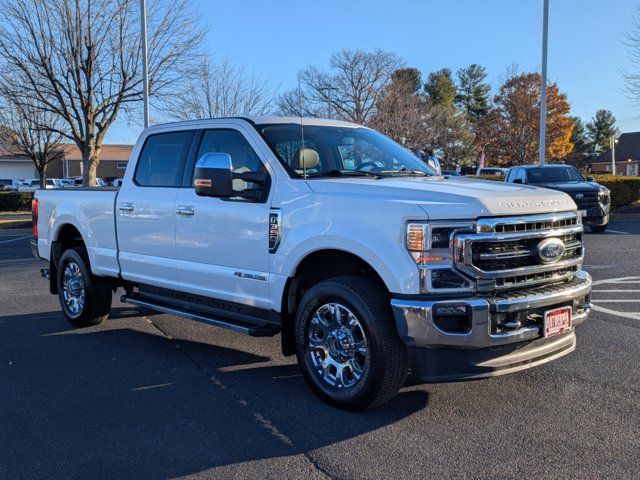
182, 161
189, 167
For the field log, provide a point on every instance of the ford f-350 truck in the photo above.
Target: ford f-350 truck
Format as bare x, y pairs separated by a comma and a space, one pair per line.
365, 261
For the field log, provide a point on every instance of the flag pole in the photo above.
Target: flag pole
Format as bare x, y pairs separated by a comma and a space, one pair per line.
145, 62
543, 89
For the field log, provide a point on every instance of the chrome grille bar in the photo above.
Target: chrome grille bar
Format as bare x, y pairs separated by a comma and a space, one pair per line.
501, 254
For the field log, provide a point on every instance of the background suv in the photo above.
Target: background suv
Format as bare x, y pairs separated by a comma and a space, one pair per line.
593, 199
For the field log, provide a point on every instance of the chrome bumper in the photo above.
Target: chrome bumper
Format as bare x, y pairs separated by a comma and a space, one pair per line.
33, 245
416, 327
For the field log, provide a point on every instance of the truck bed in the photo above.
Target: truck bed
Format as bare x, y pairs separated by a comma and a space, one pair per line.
91, 210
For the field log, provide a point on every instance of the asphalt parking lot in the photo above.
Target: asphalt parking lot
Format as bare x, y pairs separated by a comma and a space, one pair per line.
163, 397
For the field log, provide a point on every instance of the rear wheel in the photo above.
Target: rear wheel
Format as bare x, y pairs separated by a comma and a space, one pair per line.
85, 298
347, 345
599, 228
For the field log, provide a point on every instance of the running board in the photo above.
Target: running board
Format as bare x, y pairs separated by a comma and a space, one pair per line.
263, 330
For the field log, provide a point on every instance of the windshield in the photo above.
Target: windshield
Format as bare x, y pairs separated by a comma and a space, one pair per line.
329, 150
554, 175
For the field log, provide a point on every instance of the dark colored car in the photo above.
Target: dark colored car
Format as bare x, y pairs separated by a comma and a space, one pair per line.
593, 199
450, 173
6, 185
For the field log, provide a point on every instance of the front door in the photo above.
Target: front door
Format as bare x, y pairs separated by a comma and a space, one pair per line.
222, 245
145, 210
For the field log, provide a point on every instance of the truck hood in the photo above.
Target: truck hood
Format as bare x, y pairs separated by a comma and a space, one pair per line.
450, 198
572, 186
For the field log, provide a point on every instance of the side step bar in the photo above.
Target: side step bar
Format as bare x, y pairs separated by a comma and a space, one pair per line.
237, 326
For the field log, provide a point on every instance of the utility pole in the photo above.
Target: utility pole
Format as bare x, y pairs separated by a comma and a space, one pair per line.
612, 141
543, 89
145, 62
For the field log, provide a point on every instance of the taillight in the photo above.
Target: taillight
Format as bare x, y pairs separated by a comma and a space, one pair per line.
34, 217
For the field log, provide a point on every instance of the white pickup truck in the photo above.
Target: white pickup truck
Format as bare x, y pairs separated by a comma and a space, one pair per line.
366, 262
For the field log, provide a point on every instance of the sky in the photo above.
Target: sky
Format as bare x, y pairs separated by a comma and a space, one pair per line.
277, 38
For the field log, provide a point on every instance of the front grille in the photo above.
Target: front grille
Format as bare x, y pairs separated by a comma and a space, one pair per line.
585, 200
516, 281
533, 225
504, 253
508, 254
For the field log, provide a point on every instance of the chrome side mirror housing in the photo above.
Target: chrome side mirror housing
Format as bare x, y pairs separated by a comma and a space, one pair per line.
213, 175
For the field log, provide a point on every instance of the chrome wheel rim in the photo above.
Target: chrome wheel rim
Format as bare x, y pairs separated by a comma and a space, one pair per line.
73, 288
337, 346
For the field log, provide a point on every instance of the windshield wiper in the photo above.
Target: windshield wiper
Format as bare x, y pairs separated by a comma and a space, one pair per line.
346, 173
405, 171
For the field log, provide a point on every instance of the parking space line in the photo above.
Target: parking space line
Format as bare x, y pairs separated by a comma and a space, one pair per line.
617, 231
614, 291
624, 300
15, 239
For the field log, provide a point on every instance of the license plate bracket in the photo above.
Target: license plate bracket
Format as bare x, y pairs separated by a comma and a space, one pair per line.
557, 321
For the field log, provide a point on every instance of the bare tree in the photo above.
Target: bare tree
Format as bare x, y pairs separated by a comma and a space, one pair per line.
632, 42
401, 109
81, 59
21, 132
222, 90
295, 103
351, 88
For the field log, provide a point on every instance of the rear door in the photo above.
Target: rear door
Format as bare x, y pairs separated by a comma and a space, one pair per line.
222, 245
145, 210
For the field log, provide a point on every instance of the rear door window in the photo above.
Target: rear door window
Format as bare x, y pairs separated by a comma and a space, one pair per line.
161, 162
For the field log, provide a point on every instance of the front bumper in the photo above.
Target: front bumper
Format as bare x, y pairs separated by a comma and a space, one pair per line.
596, 216
487, 348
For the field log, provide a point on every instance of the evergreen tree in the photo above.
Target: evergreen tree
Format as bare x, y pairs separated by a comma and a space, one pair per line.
473, 91
600, 130
440, 87
581, 150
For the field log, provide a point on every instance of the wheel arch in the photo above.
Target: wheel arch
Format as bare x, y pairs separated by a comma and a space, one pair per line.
313, 268
67, 235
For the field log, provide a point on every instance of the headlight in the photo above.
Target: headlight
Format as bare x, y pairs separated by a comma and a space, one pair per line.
429, 244
603, 196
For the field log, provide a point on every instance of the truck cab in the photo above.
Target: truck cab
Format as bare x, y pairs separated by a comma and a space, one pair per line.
362, 258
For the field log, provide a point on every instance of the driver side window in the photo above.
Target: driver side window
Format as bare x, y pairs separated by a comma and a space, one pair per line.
243, 156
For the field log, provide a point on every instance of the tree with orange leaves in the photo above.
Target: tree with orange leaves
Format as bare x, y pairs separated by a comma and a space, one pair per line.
511, 130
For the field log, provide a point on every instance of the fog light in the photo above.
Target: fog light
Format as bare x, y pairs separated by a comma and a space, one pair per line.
451, 310
452, 318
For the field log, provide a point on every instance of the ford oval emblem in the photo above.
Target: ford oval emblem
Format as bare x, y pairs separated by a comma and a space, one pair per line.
579, 196
550, 250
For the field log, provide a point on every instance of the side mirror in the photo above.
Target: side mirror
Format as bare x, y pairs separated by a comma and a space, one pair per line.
213, 175
590, 179
518, 180
434, 163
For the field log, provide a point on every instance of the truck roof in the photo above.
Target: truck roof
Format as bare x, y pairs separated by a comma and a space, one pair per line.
257, 120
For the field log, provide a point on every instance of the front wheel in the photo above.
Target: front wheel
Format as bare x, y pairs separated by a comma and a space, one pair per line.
347, 345
85, 299
599, 228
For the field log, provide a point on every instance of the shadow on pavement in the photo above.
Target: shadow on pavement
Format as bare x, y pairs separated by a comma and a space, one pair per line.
121, 400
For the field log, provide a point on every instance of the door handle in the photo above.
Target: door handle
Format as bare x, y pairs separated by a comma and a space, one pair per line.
126, 207
185, 211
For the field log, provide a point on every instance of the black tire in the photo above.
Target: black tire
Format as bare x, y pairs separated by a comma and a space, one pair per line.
96, 291
599, 228
386, 364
